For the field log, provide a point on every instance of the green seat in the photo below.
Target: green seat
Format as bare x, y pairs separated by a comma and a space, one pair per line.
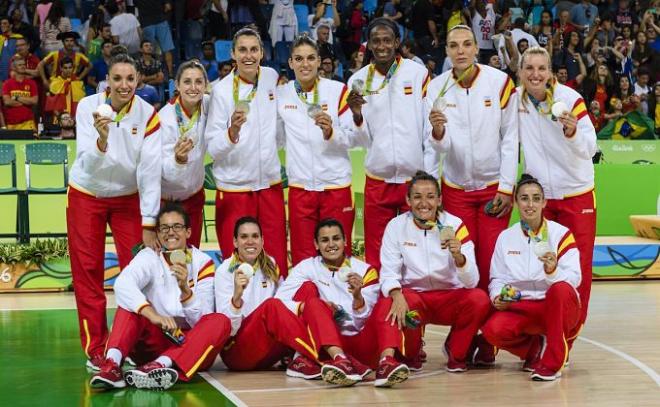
8, 158
209, 183
45, 154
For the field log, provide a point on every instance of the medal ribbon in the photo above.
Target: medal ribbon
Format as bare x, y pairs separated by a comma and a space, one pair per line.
302, 94
370, 77
122, 112
537, 237
235, 87
446, 89
184, 128
345, 263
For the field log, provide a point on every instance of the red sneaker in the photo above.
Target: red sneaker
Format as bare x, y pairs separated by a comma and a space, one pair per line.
390, 372
534, 354
94, 363
109, 376
453, 365
340, 371
303, 368
152, 375
543, 374
361, 369
415, 365
483, 353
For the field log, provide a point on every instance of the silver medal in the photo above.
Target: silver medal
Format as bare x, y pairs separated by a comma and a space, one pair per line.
105, 110
243, 106
559, 108
358, 86
447, 233
247, 269
178, 257
313, 111
541, 248
342, 274
440, 104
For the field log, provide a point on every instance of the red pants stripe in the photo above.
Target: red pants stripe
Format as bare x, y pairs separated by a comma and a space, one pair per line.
465, 310
483, 229
267, 205
307, 208
557, 317
86, 220
194, 207
266, 336
382, 203
366, 346
579, 215
143, 341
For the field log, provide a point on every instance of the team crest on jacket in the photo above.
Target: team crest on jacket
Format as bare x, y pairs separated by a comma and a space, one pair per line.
264, 284
407, 88
487, 101
324, 106
271, 96
134, 130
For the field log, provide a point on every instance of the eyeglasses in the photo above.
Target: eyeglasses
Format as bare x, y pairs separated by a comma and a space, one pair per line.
177, 227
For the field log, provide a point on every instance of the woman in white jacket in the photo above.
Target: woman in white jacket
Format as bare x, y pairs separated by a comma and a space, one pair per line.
534, 277
183, 122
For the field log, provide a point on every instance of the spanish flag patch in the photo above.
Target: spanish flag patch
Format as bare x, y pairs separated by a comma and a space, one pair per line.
271, 96
343, 101
566, 243
579, 109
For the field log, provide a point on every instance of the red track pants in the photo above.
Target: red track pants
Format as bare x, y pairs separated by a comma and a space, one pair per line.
86, 220
557, 317
307, 208
267, 205
143, 341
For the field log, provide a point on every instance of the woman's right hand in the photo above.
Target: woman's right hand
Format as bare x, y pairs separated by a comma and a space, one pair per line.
101, 124
237, 121
397, 314
240, 282
500, 305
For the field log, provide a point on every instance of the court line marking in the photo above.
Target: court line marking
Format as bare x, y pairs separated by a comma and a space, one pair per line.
222, 389
635, 362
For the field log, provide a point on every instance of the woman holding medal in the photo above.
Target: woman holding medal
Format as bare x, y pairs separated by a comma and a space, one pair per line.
114, 180
386, 100
184, 146
428, 266
241, 134
536, 259
316, 121
473, 120
344, 320
263, 329
559, 140
165, 318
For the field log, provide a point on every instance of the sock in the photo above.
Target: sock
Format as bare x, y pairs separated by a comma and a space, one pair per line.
165, 361
340, 355
115, 355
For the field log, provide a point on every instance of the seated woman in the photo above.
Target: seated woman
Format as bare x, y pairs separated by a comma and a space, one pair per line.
428, 266
344, 320
537, 261
162, 300
262, 328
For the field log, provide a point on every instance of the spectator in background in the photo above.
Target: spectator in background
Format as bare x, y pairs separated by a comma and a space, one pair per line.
431, 65
99, 70
67, 126
425, 30
562, 27
654, 107
66, 90
246, 12
605, 32
584, 14
209, 61
642, 88
325, 44
408, 51
147, 92
19, 25
95, 44
7, 46
224, 68
193, 29
544, 30
325, 14
31, 60
483, 25
81, 65
599, 86
150, 67
625, 16
624, 92
125, 27
22, 6
19, 94
596, 115
41, 13
357, 22
327, 70
518, 33
283, 22
218, 21
56, 23
562, 75
357, 60
641, 53
569, 56
153, 15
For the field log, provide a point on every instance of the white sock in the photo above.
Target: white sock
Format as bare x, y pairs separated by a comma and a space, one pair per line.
340, 354
296, 355
115, 355
165, 361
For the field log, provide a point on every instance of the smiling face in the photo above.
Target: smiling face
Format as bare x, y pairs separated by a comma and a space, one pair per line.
383, 44
461, 48
247, 53
424, 200
331, 243
249, 243
191, 85
531, 201
173, 233
305, 63
535, 73
122, 80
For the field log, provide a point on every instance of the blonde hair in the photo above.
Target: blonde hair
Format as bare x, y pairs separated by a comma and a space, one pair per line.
549, 92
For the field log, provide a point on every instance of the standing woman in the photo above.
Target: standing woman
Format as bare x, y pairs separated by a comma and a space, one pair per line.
184, 145
55, 23
317, 163
558, 147
241, 134
114, 180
